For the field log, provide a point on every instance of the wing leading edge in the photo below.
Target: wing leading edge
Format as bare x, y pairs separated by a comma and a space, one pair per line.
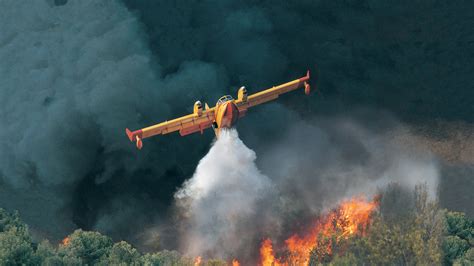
186, 125
273, 93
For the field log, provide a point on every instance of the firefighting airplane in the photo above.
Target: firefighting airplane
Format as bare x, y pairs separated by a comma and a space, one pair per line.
224, 115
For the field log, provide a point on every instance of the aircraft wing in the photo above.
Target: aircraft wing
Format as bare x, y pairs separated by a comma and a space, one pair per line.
273, 93
186, 125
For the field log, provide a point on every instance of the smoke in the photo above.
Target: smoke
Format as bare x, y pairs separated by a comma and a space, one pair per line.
220, 200
74, 76
336, 157
229, 205
76, 73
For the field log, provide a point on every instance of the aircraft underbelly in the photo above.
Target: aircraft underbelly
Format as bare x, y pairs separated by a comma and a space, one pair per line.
228, 115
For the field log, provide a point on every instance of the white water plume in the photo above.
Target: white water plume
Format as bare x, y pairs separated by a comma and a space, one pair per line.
220, 200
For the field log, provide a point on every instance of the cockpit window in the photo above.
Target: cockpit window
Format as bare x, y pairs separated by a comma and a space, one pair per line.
224, 99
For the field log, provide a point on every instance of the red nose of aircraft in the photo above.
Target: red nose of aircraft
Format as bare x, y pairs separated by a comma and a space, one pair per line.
230, 115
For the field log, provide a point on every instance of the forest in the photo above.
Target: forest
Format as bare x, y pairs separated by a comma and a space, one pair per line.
420, 233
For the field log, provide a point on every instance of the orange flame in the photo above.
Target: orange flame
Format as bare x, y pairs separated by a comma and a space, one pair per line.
235, 262
66, 241
197, 261
267, 256
352, 216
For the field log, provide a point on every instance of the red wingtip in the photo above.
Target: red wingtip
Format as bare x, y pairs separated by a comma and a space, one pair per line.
135, 136
129, 134
305, 78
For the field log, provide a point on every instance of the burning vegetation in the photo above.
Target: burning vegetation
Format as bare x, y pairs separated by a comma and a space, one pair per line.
351, 217
357, 232
65, 241
399, 227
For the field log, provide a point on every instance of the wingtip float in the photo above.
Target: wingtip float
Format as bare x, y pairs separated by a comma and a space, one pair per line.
224, 114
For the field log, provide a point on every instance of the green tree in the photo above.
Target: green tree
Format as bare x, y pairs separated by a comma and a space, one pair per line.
9, 220
425, 234
16, 247
459, 224
122, 253
215, 262
15, 241
88, 247
459, 239
385, 244
454, 248
415, 239
348, 259
166, 258
48, 255
467, 259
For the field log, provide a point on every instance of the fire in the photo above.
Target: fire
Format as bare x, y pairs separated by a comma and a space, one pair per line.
197, 261
351, 217
267, 256
66, 241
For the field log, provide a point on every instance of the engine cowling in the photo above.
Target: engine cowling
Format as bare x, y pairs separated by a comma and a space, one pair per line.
197, 108
242, 94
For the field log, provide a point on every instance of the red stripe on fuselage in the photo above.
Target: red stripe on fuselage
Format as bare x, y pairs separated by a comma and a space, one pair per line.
231, 114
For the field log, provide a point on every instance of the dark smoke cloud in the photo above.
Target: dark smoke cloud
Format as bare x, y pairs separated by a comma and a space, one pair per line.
76, 73
74, 76
411, 58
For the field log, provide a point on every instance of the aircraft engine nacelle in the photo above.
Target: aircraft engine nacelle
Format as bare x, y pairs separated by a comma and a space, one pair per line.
197, 108
242, 94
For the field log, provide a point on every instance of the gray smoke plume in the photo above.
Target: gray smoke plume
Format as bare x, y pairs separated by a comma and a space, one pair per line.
335, 157
74, 76
228, 205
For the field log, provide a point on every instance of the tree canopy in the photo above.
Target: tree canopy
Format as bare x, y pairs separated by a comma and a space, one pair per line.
418, 233
421, 234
